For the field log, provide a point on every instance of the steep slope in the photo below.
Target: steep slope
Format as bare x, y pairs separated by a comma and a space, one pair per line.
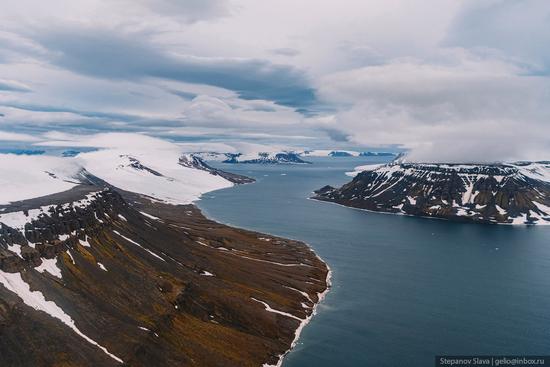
500, 193
115, 266
94, 277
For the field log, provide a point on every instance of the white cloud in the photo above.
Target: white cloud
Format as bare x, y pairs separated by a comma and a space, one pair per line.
9, 136
466, 109
516, 30
106, 140
189, 11
233, 112
451, 80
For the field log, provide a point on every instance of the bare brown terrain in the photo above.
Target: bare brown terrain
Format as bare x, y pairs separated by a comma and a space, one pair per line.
178, 289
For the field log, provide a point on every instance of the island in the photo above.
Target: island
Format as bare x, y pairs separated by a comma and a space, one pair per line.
515, 193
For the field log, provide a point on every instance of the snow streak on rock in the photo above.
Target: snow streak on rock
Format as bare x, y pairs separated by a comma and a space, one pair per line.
35, 299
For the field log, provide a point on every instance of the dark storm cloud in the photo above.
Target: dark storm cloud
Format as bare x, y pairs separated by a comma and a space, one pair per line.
114, 54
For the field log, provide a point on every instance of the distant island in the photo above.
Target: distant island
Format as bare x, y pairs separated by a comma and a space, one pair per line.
344, 153
266, 158
283, 157
516, 193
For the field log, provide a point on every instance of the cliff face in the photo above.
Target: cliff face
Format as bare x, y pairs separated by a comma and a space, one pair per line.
96, 277
504, 193
45, 232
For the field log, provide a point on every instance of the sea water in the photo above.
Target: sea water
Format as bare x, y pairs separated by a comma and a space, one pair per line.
404, 289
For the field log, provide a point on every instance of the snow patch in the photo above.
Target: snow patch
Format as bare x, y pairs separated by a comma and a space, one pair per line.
35, 299
85, 242
50, 266
149, 216
137, 244
269, 309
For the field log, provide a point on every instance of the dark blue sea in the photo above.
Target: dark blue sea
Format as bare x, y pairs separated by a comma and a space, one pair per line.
404, 289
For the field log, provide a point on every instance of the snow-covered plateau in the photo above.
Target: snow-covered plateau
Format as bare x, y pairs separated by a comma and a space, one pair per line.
154, 168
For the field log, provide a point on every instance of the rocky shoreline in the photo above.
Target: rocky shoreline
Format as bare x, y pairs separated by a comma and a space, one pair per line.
303, 324
151, 283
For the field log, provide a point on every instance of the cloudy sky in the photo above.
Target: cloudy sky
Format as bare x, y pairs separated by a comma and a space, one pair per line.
448, 80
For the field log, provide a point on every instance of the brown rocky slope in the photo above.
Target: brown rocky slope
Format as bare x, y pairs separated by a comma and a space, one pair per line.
146, 283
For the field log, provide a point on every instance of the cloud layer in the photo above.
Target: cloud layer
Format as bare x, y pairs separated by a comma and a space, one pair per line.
448, 81
471, 110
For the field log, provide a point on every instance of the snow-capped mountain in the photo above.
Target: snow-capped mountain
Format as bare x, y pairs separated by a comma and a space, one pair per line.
283, 157
516, 193
104, 262
377, 154
166, 175
193, 161
343, 153
266, 158
279, 157
211, 156
156, 173
329, 153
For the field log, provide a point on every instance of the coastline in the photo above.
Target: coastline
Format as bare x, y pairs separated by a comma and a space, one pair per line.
320, 296
465, 220
170, 246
